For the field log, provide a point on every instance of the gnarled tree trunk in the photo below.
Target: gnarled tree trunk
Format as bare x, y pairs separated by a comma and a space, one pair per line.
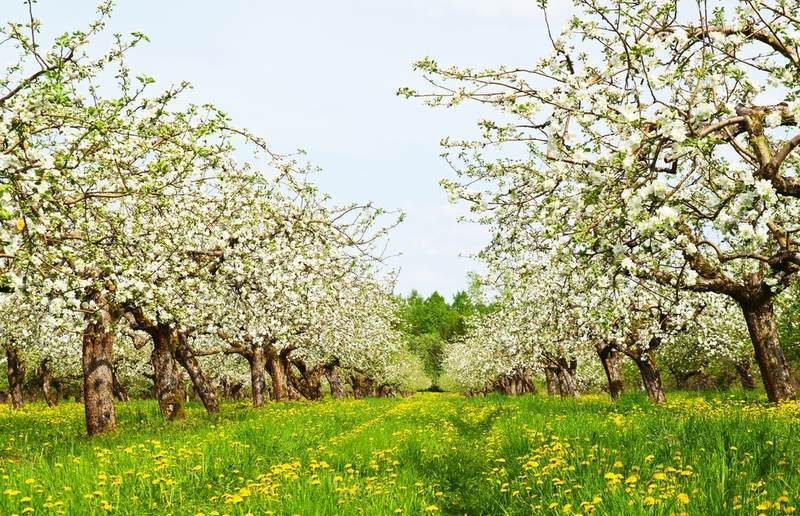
527, 385
202, 386
745, 376
357, 382
310, 382
682, 378
46, 377
385, 391
279, 370
335, 382
61, 390
169, 391
16, 375
775, 374
258, 375
550, 379
98, 391
120, 392
280, 387
651, 378
567, 381
612, 364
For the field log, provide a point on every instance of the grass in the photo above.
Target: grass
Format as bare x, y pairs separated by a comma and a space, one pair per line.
439, 453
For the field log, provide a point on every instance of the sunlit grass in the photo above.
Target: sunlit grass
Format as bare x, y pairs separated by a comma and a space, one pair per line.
429, 453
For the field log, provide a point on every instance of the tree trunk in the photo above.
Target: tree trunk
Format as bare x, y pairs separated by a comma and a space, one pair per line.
16, 375
335, 383
745, 376
119, 390
651, 378
775, 373
528, 385
385, 391
286, 365
46, 377
551, 380
61, 391
258, 380
98, 391
280, 387
278, 366
682, 378
169, 391
567, 385
204, 389
309, 384
566, 378
370, 389
612, 364
357, 383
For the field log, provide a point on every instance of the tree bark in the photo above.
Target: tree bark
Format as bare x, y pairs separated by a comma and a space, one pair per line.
280, 384
16, 375
651, 378
202, 386
46, 377
61, 391
528, 386
335, 382
278, 367
612, 364
98, 392
356, 382
551, 379
385, 391
566, 377
745, 376
169, 391
682, 378
120, 392
505, 385
258, 381
310, 382
775, 374
371, 387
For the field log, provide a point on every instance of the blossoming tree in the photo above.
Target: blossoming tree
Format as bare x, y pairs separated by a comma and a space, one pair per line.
655, 133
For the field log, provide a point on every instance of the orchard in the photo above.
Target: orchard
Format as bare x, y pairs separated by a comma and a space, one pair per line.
191, 324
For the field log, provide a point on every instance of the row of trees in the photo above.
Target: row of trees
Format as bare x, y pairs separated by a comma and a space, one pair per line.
641, 185
145, 236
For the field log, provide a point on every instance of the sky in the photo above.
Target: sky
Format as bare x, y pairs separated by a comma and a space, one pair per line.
321, 76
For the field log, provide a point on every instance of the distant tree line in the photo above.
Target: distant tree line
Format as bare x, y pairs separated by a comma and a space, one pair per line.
428, 324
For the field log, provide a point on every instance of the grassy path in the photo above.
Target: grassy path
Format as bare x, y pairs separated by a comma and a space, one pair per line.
424, 454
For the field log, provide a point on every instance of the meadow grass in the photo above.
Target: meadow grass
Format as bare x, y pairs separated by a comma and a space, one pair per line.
430, 453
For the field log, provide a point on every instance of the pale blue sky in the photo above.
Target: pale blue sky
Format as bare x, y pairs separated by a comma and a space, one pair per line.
322, 75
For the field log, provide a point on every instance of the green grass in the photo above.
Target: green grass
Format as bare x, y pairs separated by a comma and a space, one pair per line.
433, 452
